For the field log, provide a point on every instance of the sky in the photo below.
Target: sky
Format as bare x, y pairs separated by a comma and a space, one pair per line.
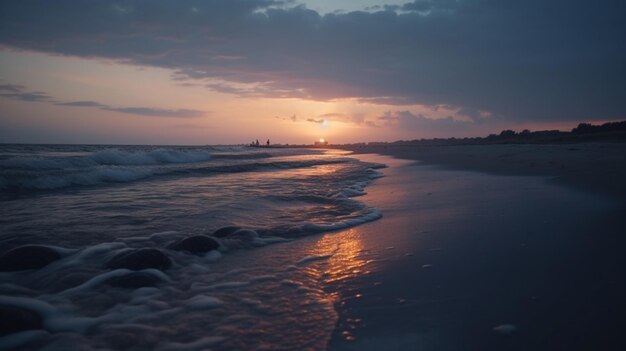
232, 71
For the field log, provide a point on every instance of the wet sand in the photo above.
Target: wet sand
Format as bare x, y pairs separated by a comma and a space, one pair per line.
471, 261
460, 260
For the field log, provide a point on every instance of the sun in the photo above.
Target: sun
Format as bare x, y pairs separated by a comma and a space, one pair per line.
322, 140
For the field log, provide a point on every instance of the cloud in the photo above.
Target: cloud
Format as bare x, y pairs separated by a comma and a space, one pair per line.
157, 112
525, 60
29, 96
81, 104
407, 120
292, 118
19, 92
323, 119
13, 88
356, 118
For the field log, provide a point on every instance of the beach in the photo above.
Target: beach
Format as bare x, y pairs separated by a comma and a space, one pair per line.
332, 251
520, 254
598, 167
312, 175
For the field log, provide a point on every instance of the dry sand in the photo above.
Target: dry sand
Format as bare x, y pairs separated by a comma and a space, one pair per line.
597, 167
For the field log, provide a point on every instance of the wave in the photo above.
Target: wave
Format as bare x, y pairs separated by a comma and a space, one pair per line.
16, 181
110, 157
93, 177
260, 166
118, 157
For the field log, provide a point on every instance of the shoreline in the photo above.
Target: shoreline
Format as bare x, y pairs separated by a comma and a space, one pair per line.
594, 167
460, 260
465, 260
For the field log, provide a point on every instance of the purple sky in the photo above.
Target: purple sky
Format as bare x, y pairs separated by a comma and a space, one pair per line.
229, 71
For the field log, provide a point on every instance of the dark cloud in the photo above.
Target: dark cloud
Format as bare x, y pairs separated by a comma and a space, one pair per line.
22, 94
157, 112
81, 104
13, 88
313, 120
19, 92
406, 120
35, 96
524, 60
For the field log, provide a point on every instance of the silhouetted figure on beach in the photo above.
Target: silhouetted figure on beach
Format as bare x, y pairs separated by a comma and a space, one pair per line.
268, 142
257, 142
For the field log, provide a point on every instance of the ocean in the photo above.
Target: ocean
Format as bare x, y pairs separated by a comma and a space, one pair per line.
87, 206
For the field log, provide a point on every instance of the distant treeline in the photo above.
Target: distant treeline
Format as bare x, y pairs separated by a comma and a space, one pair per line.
611, 131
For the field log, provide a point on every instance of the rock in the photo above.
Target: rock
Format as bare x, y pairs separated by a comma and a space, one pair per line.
197, 244
139, 259
134, 280
27, 257
225, 231
15, 319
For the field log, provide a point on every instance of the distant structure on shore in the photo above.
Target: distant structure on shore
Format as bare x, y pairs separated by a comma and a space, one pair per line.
320, 142
584, 132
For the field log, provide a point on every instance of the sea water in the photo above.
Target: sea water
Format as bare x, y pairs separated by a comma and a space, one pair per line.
90, 203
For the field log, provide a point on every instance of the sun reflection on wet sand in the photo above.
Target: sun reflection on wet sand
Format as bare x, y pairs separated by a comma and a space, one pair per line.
339, 258
345, 257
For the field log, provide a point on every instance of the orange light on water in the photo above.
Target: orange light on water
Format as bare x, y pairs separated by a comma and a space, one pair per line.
345, 259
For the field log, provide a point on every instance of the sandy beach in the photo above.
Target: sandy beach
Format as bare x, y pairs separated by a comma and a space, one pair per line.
594, 167
477, 261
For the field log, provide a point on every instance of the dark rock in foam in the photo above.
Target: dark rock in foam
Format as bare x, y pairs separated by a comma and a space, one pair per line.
140, 259
195, 244
27, 257
134, 280
225, 231
15, 319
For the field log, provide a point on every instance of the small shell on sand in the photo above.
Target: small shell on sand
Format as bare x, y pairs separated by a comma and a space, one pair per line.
506, 329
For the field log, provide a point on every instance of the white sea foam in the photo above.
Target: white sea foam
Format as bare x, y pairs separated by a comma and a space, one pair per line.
99, 175
371, 215
313, 258
108, 157
229, 285
119, 157
202, 294
203, 301
54, 319
101, 278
